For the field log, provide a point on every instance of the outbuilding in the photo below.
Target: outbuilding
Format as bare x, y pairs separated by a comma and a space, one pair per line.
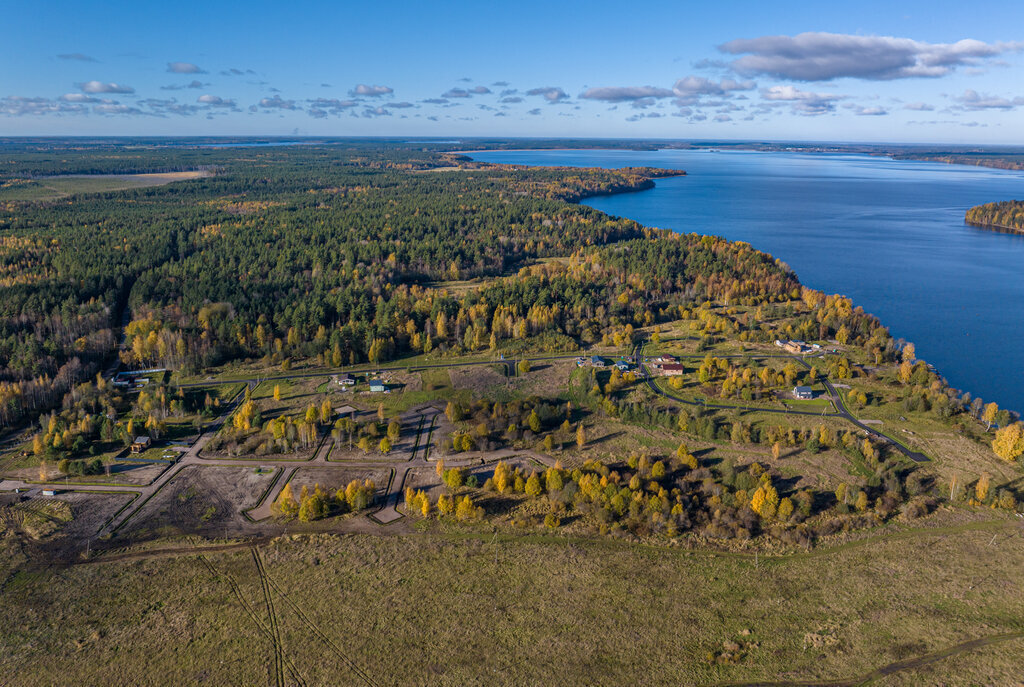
140, 444
377, 386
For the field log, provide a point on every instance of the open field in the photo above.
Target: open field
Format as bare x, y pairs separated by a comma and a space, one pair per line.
50, 188
460, 606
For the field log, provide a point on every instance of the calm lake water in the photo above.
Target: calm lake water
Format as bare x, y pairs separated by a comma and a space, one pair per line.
888, 234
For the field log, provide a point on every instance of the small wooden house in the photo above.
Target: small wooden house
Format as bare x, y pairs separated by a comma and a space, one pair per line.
140, 444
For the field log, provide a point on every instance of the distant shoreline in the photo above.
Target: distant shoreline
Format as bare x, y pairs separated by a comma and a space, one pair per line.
1012, 162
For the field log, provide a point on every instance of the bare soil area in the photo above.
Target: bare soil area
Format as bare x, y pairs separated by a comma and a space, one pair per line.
478, 378
201, 500
546, 379
90, 512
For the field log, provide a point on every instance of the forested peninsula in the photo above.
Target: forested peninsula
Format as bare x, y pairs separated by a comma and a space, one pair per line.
1007, 215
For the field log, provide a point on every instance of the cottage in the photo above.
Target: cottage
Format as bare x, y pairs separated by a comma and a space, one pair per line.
346, 380
140, 444
622, 365
377, 386
672, 369
596, 361
803, 393
666, 358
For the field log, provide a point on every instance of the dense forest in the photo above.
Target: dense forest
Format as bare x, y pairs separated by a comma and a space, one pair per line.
1008, 214
349, 254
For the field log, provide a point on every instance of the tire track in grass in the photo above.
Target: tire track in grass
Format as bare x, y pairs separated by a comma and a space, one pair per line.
257, 621
314, 628
275, 628
891, 668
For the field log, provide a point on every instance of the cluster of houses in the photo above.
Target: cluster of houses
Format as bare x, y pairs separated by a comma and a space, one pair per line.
600, 363
347, 381
667, 366
798, 347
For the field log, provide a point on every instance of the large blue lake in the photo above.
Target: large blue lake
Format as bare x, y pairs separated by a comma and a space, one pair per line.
889, 234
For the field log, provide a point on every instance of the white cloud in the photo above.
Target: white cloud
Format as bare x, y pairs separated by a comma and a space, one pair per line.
552, 94
191, 84
184, 68
79, 98
618, 94
825, 56
20, 106
972, 100
372, 91
863, 111
277, 103
215, 101
116, 109
802, 102
100, 87
698, 85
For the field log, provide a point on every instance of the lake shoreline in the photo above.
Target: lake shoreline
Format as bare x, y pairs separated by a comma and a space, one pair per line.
789, 206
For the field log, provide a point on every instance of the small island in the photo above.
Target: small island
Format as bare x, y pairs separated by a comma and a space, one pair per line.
1007, 215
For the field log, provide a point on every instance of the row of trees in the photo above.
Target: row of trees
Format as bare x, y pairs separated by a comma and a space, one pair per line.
317, 503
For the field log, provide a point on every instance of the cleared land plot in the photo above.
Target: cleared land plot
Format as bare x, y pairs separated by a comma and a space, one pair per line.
200, 499
49, 188
333, 478
527, 610
126, 473
90, 512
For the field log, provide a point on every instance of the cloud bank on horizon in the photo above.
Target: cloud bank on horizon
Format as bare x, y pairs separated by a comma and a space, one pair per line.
743, 86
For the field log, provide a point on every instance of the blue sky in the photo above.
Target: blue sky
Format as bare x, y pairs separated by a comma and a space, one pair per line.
944, 72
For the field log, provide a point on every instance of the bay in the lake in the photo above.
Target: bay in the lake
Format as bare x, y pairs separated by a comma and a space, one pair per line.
889, 234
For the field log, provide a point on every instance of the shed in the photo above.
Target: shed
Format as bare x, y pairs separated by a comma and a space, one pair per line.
346, 411
803, 393
140, 444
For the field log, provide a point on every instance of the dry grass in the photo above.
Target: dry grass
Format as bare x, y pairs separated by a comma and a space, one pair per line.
457, 608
